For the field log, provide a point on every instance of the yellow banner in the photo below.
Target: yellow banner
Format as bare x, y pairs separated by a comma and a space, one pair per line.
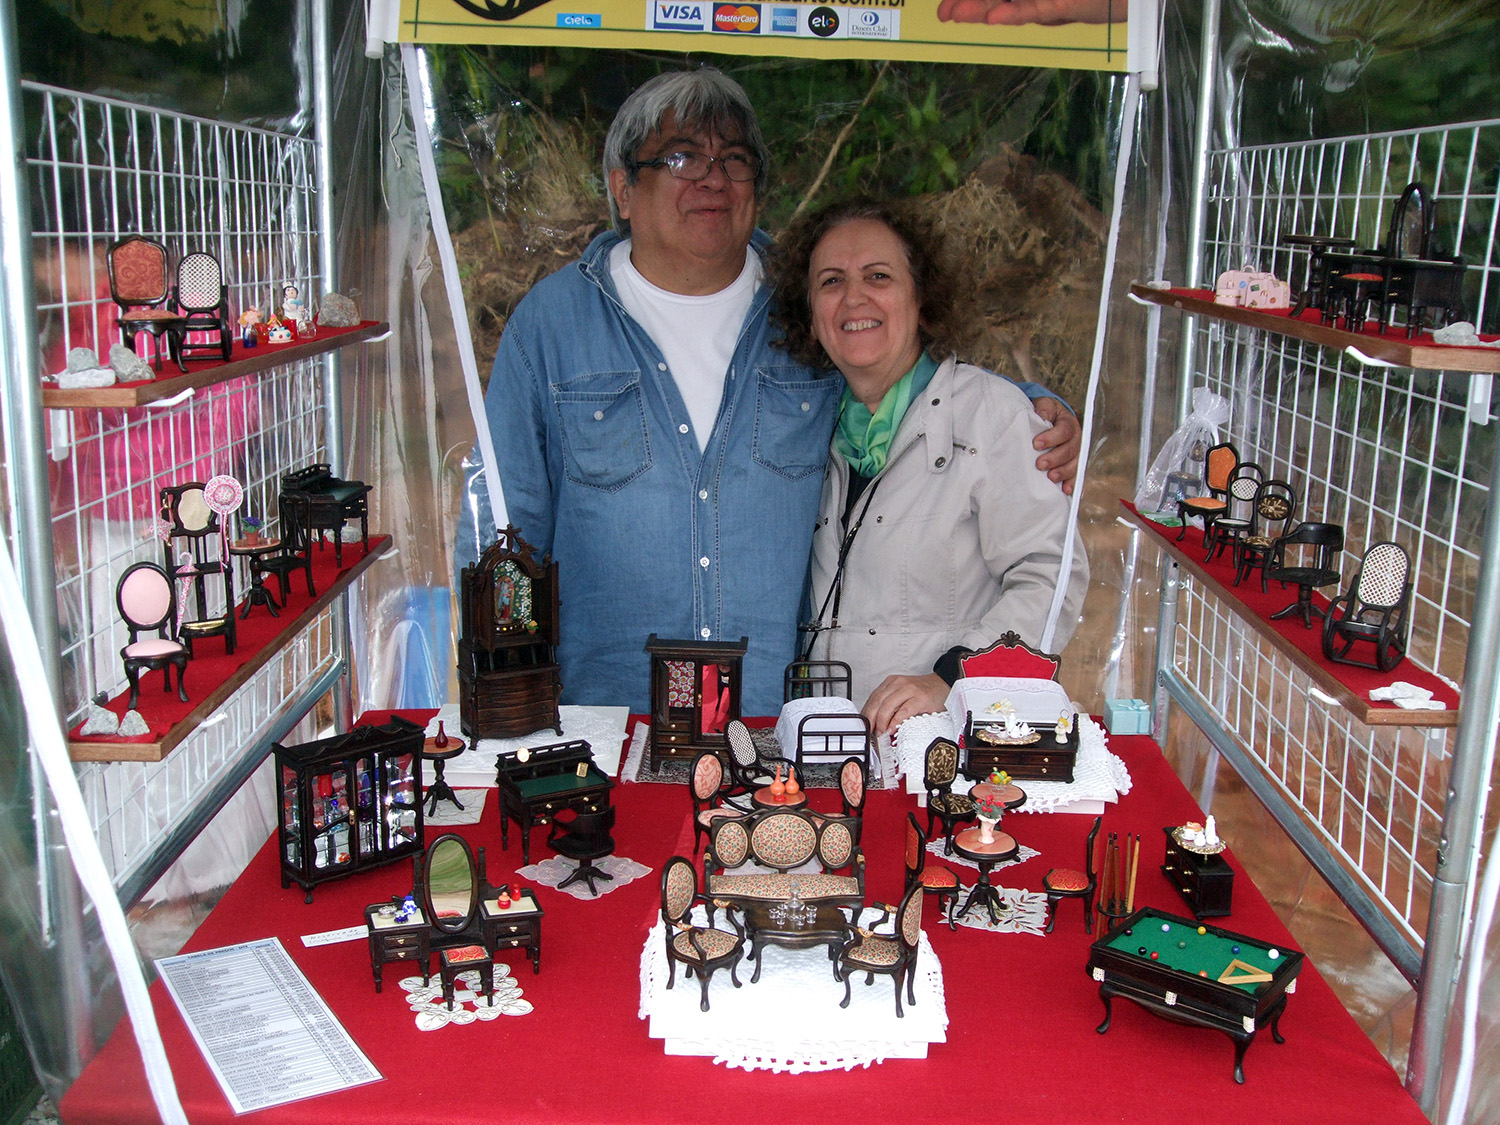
978, 31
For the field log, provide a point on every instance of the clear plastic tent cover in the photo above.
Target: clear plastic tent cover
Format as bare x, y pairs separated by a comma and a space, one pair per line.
1290, 70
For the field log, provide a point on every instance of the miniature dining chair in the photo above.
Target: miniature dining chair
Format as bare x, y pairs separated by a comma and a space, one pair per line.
1234, 521
1270, 519
934, 880
147, 601
1305, 557
139, 284
894, 954
702, 949
707, 791
1068, 882
1372, 610
939, 771
294, 553
1218, 465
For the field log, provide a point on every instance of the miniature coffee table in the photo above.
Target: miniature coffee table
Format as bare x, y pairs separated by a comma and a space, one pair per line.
828, 927
999, 850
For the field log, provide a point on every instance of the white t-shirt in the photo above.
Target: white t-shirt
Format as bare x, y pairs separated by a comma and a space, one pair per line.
696, 335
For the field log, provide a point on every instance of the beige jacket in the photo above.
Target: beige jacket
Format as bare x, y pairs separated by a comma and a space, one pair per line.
961, 541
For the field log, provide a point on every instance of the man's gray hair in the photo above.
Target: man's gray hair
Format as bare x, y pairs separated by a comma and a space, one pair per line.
704, 98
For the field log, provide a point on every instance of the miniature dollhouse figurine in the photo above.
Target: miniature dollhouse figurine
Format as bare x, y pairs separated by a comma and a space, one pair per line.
1064, 726
293, 307
248, 320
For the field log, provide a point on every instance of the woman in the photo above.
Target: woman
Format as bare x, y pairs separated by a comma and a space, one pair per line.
937, 533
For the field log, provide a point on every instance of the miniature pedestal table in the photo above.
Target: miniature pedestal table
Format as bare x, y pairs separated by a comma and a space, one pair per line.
999, 850
438, 755
257, 594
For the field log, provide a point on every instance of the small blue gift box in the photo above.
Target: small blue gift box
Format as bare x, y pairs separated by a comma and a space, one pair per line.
1127, 716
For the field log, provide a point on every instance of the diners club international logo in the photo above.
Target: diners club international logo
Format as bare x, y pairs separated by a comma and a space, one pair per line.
741, 18
823, 22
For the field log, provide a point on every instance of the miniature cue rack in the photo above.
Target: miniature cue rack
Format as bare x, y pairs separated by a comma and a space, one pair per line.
1122, 861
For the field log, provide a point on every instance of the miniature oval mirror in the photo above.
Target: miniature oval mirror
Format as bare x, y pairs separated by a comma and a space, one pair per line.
451, 886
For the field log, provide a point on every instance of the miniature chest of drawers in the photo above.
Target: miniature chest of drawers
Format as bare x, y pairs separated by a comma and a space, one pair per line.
1205, 881
518, 926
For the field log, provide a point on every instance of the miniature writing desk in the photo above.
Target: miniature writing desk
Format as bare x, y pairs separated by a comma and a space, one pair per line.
556, 777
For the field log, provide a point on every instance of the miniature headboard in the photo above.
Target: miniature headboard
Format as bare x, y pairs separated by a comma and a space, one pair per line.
1012, 658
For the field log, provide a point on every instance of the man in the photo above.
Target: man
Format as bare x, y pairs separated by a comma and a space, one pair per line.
648, 433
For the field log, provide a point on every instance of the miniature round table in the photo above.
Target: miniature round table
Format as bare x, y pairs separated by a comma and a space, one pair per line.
1012, 796
257, 594
763, 798
999, 850
438, 756
1315, 286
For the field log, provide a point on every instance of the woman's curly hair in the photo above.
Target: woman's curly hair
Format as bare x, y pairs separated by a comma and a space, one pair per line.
946, 322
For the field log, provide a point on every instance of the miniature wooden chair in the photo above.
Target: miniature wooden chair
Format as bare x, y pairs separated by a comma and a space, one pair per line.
853, 781
746, 770
585, 837
1373, 609
1270, 518
138, 283
940, 881
194, 550
147, 601
939, 772
1218, 465
1234, 521
1314, 548
295, 552
703, 949
1067, 882
706, 788
200, 298
894, 954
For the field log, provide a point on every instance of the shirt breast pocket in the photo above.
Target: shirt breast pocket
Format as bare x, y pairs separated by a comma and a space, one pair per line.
793, 420
602, 418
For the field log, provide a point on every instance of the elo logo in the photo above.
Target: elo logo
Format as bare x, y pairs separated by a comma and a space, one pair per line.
677, 16
823, 22
742, 18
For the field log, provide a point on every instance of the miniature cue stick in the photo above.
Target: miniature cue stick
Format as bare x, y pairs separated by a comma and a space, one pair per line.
1135, 863
1107, 883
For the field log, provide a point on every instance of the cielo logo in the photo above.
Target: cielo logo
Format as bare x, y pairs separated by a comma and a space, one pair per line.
579, 19
677, 16
823, 21
741, 18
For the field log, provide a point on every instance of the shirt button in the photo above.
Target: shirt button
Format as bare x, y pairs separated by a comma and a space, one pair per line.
703, 562
806, 406
872, 632
936, 401
661, 366
705, 633
940, 462
682, 429
703, 494
598, 415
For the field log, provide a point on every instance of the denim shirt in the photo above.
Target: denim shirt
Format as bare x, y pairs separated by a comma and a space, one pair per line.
600, 468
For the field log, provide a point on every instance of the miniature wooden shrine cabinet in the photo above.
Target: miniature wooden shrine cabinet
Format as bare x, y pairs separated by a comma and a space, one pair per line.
508, 679
695, 692
349, 802
1205, 881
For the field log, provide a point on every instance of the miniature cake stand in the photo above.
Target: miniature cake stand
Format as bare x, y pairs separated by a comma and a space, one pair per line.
438, 755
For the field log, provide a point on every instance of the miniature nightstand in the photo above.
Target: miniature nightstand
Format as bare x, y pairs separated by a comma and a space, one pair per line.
391, 940
517, 927
1205, 881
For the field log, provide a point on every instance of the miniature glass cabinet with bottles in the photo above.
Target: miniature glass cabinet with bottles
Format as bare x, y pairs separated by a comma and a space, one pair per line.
349, 802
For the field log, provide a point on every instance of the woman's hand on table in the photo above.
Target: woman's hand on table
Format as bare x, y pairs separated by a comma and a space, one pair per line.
898, 698
1061, 444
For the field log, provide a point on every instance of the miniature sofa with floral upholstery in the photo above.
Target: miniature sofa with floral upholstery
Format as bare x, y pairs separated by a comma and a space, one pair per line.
783, 840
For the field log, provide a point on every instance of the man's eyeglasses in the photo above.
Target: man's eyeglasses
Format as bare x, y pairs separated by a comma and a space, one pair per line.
738, 166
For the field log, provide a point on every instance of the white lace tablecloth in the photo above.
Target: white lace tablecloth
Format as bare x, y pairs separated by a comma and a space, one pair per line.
1097, 774
748, 1027
603, 728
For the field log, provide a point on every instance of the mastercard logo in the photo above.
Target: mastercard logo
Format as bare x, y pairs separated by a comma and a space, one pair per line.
737, 17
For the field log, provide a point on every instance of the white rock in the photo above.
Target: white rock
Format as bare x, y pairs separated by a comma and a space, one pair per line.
130, 367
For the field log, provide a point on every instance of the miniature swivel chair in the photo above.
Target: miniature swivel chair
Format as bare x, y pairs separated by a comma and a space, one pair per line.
200, 298
1234, 521
706, 788
586, 837
1373, 609
1270, 519
1312, 562
146, 600
894, 954
940, 881
943, 804
1066, 882
1219, 463
138, 283
702, 949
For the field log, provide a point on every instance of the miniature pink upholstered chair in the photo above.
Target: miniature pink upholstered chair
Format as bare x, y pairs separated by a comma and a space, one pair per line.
147, 602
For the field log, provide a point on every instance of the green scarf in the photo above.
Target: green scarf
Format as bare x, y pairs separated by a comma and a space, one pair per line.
864, 439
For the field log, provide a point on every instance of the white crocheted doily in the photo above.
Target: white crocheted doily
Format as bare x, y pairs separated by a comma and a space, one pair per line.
748, 1027
1097, 774
602, 727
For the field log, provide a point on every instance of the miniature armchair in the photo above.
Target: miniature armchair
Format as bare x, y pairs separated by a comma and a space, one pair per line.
147, 601
139, 284
200, 298
940, 881
894, 954
1218, 465
1306, 557
1373, 610
1270, 519
706, 788
939, 773
701, 949
1068, 882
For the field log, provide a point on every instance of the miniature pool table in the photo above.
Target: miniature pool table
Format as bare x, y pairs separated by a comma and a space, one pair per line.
1195, 974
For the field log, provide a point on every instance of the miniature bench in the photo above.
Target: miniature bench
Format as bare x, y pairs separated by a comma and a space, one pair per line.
783, 839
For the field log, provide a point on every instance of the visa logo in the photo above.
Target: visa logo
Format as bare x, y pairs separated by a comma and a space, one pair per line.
677, 16
579, 19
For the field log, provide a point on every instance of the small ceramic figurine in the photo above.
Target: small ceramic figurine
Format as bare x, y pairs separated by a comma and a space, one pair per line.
293, 307
408, 910
248, 320
1064, 726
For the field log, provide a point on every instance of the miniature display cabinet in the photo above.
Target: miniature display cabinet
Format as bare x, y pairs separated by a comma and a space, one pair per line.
349, 802
536, 784
508, 680
329, 503
1013, 722
695, 693
1205, 880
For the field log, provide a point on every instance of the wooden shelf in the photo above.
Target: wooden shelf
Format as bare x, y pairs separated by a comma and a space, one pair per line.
1392, 347
244, 361
107, 750
1368, 712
